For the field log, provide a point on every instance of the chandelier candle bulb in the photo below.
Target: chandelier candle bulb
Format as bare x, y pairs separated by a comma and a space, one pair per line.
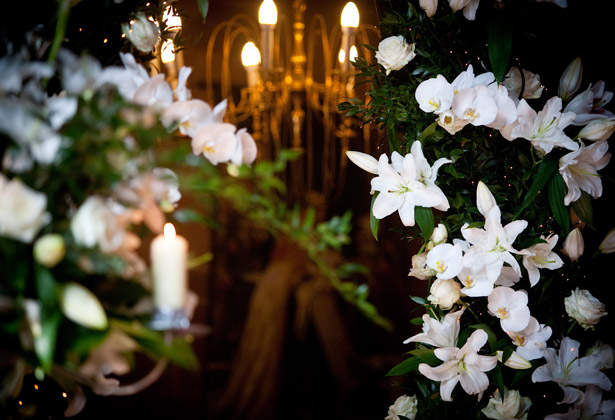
349, 22
168, 253
267, 18
251, 58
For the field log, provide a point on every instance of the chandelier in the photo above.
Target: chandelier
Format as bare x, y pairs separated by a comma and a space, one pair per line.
294, 82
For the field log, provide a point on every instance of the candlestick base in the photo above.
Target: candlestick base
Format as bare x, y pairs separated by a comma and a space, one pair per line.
167, 318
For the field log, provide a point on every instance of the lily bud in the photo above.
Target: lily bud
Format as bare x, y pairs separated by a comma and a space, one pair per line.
514, 361
598, 130
364, 161
49, 249
570, 81
438, 237
485, 201
80, 305
608, 244
574, 244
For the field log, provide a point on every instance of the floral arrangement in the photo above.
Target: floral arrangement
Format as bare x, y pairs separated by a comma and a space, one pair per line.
497, 185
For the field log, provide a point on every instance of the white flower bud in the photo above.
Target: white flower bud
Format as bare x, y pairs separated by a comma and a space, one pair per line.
598, 130
364, 161
608, 244
570, 81
584, 308
394, 53
444, 293
49, 249
80, 305
485, 201
514, 361
438, 237
574, 245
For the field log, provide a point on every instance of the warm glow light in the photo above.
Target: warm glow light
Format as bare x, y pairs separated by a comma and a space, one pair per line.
353, 53
167, 53
250, 56
350, 15
341, 56
169, 231
268, 13
171, 19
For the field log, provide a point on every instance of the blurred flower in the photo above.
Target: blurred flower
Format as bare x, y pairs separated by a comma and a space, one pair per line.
608, 243
574, 245
532, 88
591, 406
95, 224
442, 333
23, 211
245, 153
584, 308
82, 306
569, 370
570, 81
192, 115
444, 293
49, 249
580, 170
394, 53
511, 406
217, 142
541, 255
403, 406
463, 365
510, 306
142, 33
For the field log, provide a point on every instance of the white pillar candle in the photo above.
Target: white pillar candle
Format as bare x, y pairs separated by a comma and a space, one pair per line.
168, 254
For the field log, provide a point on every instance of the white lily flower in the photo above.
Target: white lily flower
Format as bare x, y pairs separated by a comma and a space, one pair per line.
591, 406
544, 129
364, 161
511, 406
532, 88
446, 260
508, 277
510, 306
403, 191
574, 244
600, 129
569, 370
541, 255
427, 174
449, 121
429, 6
217, 142
580, 170
435, 95
589, 104
442, 333
531, 342
462, 365
608, 243
475, 105
570, 81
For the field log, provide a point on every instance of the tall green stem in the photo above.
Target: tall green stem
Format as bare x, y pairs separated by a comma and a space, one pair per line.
63, 9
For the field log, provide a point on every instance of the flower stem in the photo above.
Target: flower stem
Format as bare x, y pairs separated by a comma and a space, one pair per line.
63, 9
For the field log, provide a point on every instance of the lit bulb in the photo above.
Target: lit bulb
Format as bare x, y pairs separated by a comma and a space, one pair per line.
341, 56
250, 56
268, 13
172, 20
353, 53
350, 15
167, 53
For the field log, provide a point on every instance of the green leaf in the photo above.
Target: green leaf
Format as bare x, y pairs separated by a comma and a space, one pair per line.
406, 366
45, 343
491, 337
420, 300
203, 8
429, 131
373, 222
499, 44
200, 260
424, 218
583, 208
187, 216
547, 168
557, 192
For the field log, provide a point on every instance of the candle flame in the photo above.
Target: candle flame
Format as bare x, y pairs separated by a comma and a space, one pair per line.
169, 231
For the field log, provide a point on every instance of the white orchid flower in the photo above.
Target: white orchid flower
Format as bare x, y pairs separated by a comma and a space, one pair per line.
193, 114
449, 121
541, 255
466, 79
217, 142
569, 370
574, 245
463, 366
475, 281
403, 191
435, 95
182, 93
580, 170
245, 153
506, 107
531, 342
508, 277
446, 260
156, 92
570, 81
544, 129
442, 333
475, 105
510, 306
364, 161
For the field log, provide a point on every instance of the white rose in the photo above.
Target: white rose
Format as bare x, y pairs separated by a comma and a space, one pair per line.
584, 308
419, 267
394, 53
142, 32
22, 210
403, 406
49, 249
444, 292
95, 224
513, 406
532, 88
